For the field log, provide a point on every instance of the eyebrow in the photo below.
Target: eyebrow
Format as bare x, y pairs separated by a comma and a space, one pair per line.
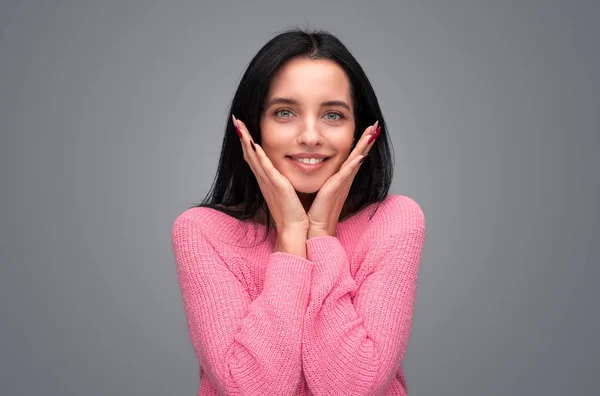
278, 100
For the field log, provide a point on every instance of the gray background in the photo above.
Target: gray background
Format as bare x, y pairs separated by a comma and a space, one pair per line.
112, 115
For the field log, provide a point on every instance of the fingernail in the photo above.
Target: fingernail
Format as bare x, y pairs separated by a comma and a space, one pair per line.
362, 159
236, 127
374, 127
374, 136
252, 144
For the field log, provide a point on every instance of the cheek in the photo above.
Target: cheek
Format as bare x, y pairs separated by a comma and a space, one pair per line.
268, 140
271, 134
277, 144
345, 142
274, 146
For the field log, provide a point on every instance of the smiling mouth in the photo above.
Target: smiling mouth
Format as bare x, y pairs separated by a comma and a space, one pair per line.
309, 163
308, 167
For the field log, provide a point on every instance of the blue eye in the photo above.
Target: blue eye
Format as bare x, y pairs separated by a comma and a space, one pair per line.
286, 113
337, 117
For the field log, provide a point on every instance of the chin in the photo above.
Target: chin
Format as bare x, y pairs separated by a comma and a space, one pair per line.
307, 189
306, 193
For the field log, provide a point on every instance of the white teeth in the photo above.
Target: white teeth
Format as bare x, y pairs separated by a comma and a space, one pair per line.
310, 160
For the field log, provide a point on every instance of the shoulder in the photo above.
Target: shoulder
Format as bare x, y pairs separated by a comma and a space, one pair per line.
192, 215
405, 211
209, 225
398, 214
195, 222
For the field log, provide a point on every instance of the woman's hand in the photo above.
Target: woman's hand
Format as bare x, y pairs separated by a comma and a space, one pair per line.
284, 205
327, 206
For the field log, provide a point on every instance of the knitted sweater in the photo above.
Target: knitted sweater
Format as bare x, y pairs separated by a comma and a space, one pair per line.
337, 322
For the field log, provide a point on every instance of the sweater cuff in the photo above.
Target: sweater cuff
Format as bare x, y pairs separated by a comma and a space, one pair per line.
330, 258
332, 267
287, 280
325, 248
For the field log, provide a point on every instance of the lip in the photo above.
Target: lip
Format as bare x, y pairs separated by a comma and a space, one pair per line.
308, 155
308, 167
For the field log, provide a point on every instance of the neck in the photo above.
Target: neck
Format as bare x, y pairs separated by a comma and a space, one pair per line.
306, 199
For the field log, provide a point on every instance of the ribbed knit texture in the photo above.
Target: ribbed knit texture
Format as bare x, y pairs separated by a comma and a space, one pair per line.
337, 322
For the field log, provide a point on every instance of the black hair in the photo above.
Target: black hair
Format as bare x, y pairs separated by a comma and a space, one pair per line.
235, 190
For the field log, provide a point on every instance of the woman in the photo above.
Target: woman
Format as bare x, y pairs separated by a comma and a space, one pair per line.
323, 303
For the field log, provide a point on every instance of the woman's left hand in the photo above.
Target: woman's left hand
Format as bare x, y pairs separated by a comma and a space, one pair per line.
326, 208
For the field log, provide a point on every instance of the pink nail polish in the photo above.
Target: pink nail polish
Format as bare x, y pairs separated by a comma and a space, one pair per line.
236, 127
375, 135
374, 127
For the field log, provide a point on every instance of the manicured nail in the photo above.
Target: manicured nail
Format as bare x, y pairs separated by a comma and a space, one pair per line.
374, 127
362, 159
252, 144
375, 135
236, 127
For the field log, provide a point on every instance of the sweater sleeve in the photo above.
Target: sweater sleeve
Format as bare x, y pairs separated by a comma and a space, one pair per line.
245, 347
354, 339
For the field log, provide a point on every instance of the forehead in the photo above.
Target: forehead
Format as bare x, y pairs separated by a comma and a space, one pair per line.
308, 80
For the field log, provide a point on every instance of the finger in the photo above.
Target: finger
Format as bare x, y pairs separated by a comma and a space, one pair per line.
268, 168
352, 169
347, 176
372, 129
249, 153
242, 130
344, 177
242, 142
260, 161
244, 149
368, 140
355, 166
361, 145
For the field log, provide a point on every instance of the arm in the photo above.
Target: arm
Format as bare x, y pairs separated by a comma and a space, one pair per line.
355, 339
245, 347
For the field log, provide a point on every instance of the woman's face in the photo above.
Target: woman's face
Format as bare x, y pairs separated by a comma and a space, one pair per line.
308, 112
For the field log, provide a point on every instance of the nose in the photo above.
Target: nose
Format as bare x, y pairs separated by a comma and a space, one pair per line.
310, 134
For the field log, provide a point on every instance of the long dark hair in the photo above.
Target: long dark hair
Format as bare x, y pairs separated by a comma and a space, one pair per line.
235, 184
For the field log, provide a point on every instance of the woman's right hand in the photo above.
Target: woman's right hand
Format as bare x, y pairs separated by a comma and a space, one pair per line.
283, 202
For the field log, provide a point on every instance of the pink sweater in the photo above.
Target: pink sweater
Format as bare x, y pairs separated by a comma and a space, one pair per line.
335, 323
